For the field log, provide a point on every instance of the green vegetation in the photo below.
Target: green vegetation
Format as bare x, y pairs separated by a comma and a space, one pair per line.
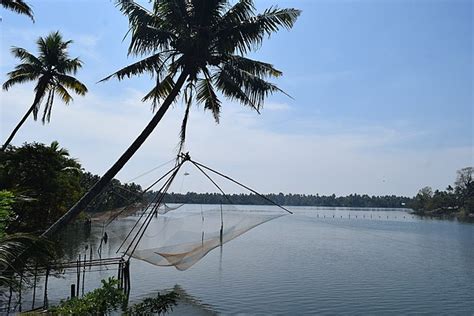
353, 200
101, 301
13, 255
6, 214
46, 181
51, 69
110, 298
161, 304
453, 202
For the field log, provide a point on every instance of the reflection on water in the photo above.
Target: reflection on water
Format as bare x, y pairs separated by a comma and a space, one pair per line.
319, 260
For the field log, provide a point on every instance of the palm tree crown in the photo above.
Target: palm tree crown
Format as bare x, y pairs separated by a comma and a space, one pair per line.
206, 41
19, 6
51, 69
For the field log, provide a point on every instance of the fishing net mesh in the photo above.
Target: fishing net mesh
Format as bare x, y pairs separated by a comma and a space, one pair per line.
180, 235
183, 237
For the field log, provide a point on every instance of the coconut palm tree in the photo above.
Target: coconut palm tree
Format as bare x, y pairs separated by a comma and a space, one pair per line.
52, 70
194, 49
19, 6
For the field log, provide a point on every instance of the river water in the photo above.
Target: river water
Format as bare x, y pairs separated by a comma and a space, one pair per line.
316, 261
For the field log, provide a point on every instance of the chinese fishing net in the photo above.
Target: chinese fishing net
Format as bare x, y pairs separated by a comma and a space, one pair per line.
184, 236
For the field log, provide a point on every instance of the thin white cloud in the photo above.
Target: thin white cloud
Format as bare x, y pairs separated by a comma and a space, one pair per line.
274, 106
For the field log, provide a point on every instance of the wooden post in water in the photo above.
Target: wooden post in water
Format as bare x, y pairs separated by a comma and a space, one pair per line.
34, 287
90, 257
222, 227
84, 273
10, 298
126, 277
45, 298
119, 274
78, 271
73, 290
19, 291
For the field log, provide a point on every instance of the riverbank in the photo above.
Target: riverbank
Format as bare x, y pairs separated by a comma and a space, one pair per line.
447, 214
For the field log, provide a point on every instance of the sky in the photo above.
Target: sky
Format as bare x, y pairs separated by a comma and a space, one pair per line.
381, 99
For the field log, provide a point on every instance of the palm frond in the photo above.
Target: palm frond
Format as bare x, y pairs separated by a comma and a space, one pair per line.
255, 67
146, 28
153, 65
175, 15
242, 11
249, 33
69, 65
48, 106
25, 56
207, 96
256, 88
18, 6
62, 92
160, 91
72, 83
229, 87
42, 87
17, 77
184, 124
17, 250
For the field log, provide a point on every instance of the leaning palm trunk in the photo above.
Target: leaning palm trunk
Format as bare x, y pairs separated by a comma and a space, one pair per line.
17, 127
118, 165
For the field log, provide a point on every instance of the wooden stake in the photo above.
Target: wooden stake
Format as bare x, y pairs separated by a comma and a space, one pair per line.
34, 286
45, 299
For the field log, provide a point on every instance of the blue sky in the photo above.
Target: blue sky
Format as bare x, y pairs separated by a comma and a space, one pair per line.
382, 98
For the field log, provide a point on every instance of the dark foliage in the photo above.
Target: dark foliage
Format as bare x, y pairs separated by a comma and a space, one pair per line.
457, 201
45, 181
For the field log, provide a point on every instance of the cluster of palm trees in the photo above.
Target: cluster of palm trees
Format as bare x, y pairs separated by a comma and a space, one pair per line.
193, 49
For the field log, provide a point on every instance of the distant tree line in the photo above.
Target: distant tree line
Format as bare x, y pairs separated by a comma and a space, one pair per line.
455, 201
352, 200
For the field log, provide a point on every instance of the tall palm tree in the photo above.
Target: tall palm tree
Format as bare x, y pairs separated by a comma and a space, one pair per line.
194, 48
19, 6
51, 69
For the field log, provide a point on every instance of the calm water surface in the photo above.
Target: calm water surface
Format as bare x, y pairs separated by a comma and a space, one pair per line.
373, 262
